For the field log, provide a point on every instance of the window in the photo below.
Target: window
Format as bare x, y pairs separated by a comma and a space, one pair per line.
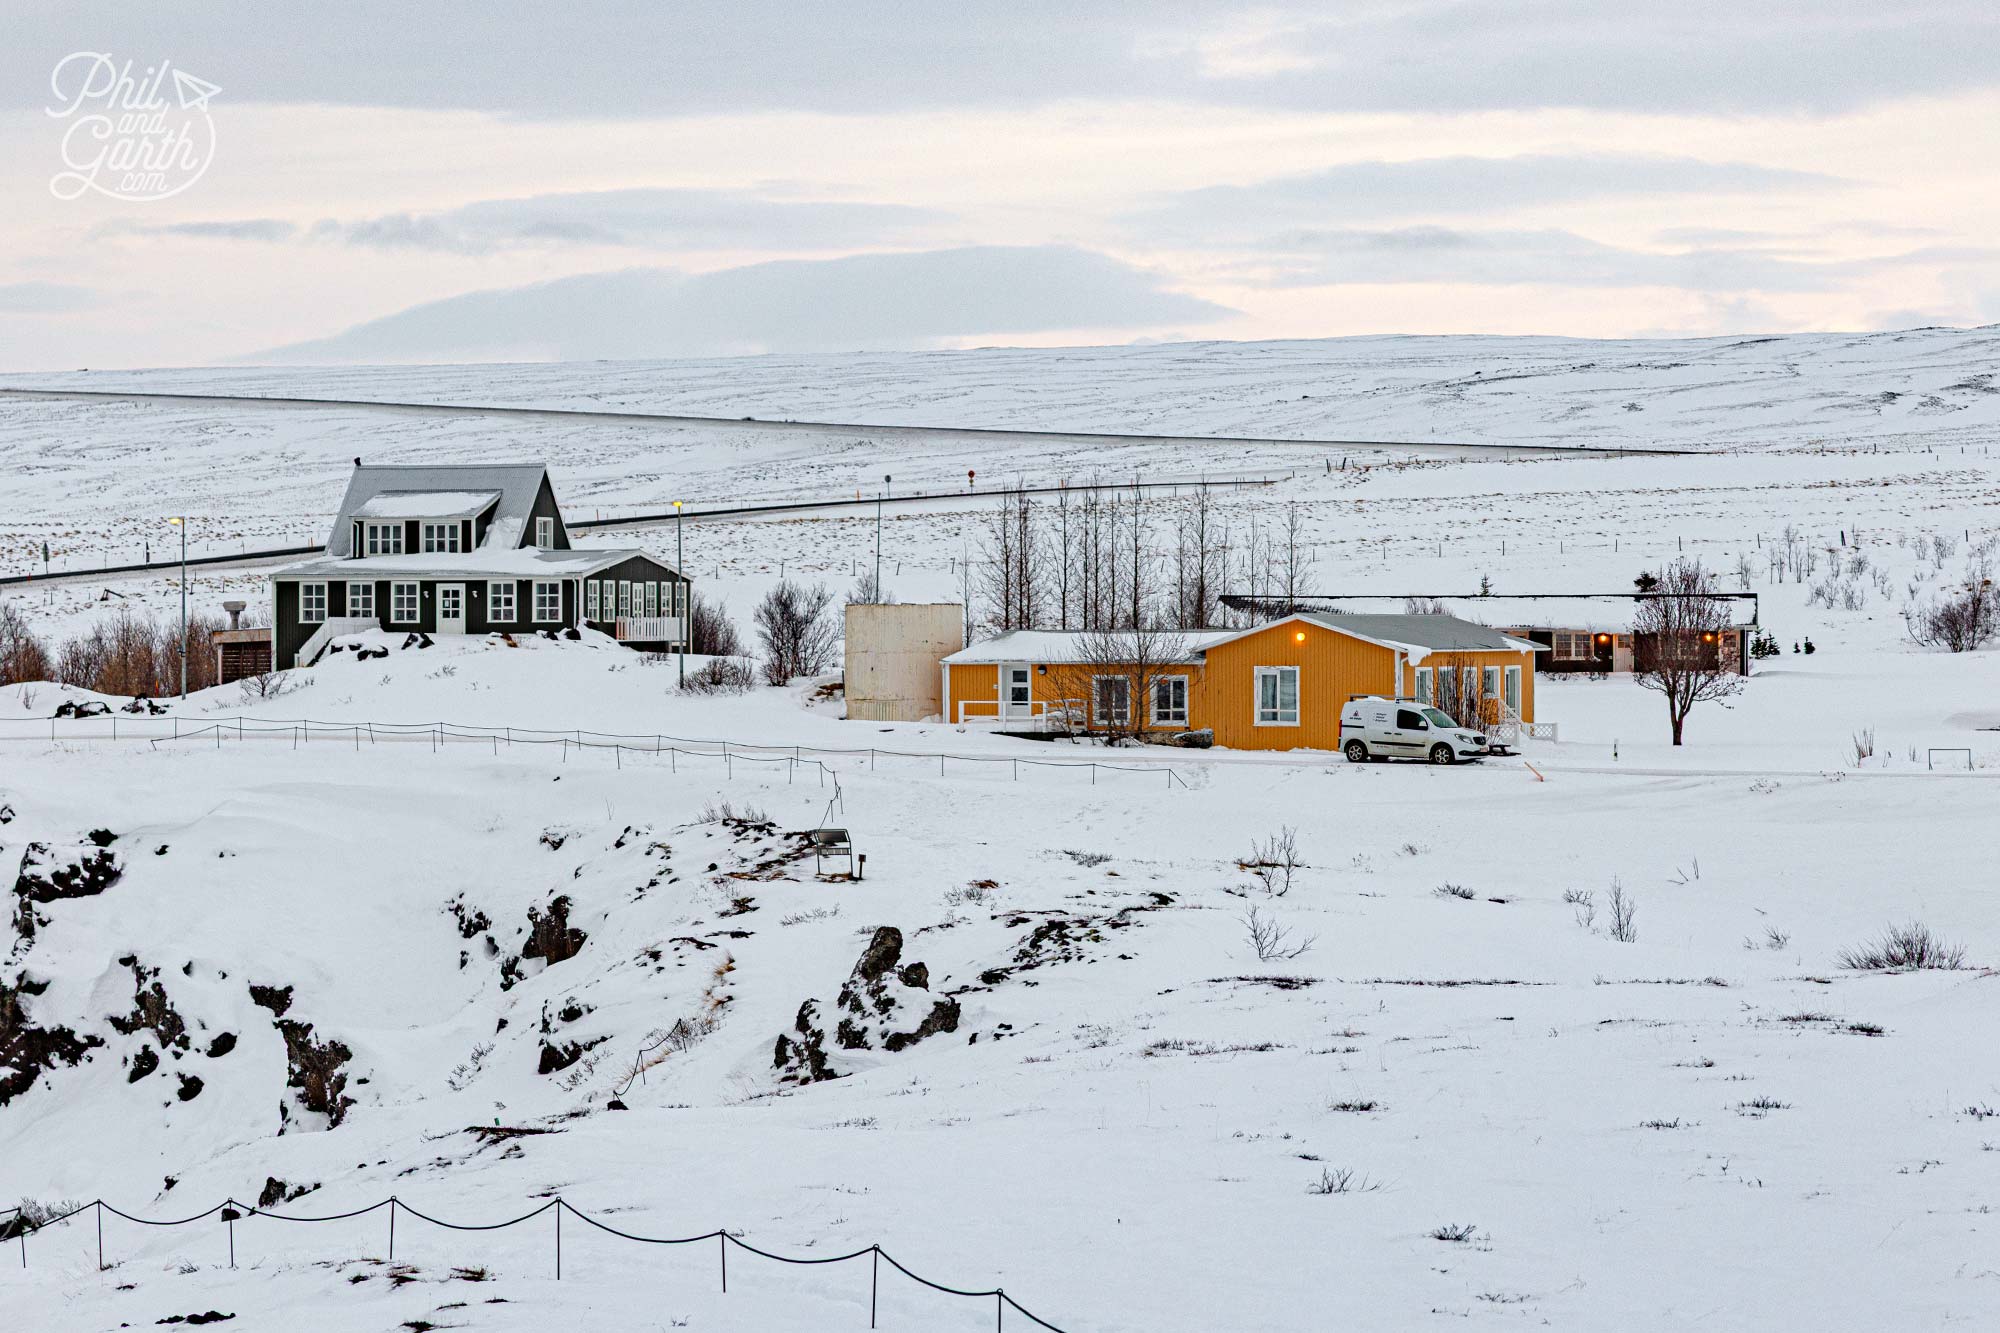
545, 533
312, 603
680, 599
1424, 685
1514, 688
1110, 701
1409, 719
624, 597
500, 601
1438, 719
403, 603
1278, 696
360, 599
383, 538
1489, 682
548, 600
440, 537
652, 599
590, 600
1170, 704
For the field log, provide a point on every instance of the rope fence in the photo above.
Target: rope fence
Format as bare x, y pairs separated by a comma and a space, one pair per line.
302, 731
229, 1213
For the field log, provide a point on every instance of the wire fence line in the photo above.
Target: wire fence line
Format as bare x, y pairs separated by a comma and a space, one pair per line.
303, 731
229, 1213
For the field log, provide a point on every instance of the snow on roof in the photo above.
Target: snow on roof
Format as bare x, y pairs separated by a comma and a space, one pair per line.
1605, 611
1067, 645
425, 504
516, 484
522, 563
1421, 634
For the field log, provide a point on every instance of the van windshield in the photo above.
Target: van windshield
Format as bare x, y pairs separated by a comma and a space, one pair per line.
1438, 717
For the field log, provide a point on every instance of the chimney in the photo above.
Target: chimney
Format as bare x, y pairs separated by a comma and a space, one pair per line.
235, 610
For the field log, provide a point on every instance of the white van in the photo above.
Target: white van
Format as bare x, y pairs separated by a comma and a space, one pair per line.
1376, 728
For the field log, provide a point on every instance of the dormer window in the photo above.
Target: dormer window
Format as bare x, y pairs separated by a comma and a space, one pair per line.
545, 534
441, 537
382, 538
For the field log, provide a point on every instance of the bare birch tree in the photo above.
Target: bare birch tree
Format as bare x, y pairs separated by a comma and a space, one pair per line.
1677, 642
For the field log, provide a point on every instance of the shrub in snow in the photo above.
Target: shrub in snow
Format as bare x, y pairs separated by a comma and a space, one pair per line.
884, 1006
1905, 948
721, 675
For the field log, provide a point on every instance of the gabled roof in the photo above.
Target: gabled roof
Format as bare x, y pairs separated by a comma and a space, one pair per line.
1417, 636
425, 504
1051, 646
516, 484
527, 562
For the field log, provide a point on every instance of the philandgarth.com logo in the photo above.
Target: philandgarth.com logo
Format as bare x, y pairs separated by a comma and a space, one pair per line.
125, 137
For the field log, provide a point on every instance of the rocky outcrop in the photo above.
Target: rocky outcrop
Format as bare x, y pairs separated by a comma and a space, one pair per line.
885, 1005
26, 1049
151, 1010
317, 1071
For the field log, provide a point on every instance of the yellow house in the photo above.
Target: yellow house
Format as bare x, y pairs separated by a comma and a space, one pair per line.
1278, 686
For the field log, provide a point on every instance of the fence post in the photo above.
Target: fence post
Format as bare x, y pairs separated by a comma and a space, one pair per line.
100, 1235
559, 1208
392, 1228
229, 1217
1093, 774
999, 1309
721, 1245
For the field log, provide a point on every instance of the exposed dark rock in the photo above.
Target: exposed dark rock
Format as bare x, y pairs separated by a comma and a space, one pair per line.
48, 873
882, 1007
316, 1071
144, 1063
102, 837
277, 999
550, 935
26, 1050
152, 1011
278, 1191
6, 813
559, 1056
224, 1043
190, 1088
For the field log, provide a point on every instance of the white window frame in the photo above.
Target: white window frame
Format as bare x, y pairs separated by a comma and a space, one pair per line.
1153, 702
500, 596
396, 591
1510, 688
1425, 686
550, 588
308, 594
1489, 682
381, 538
440, 537
591, 600
361, 591
1097, 718
545, 533
1277, 717
652, 600
624, 598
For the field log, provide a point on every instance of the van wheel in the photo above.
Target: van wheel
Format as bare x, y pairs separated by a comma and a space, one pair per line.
1357, 753
1441, 753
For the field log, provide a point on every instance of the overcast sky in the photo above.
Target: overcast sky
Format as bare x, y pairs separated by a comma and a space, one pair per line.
397, 182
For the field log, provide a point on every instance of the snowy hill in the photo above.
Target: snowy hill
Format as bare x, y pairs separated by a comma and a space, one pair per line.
403, 966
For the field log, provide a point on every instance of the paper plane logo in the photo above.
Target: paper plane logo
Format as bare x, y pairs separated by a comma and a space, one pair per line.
124, 136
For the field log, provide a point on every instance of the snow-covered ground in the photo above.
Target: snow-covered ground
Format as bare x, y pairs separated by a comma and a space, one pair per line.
1130, 1120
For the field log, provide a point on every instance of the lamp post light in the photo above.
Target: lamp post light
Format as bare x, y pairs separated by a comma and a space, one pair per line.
181, 523
687, 607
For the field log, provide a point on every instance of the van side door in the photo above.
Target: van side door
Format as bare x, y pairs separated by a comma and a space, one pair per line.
1411, 732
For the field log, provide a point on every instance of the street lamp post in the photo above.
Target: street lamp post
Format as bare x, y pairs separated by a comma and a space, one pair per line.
687, 607
181, 523
886, 479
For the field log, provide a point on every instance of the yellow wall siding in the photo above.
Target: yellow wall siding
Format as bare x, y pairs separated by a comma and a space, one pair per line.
1481, 660
977, 684
1332, 667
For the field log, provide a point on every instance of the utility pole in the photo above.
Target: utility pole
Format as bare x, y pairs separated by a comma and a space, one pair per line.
181, 523
688, 609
